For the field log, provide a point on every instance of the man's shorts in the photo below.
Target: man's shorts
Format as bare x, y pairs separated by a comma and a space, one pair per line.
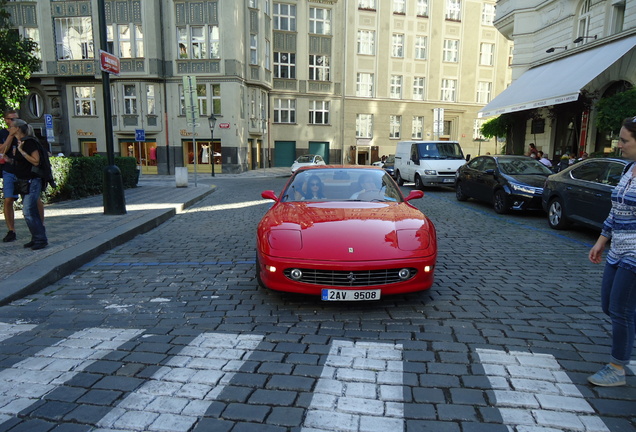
8, 180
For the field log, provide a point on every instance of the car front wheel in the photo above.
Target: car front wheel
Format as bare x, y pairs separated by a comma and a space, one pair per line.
399, 179
556, 215
418, 183
459, 192
501, 202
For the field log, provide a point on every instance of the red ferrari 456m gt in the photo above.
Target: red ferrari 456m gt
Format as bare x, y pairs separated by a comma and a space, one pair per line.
345, 233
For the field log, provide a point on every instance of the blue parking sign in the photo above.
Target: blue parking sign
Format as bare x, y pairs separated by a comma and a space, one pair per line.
140, 135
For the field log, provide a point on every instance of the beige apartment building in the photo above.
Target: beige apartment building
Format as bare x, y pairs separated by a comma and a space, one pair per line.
343, 78
568, 55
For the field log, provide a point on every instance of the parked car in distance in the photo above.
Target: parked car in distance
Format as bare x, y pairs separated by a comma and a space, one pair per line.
389, 165
427, 163
307, 160
508, 182
582, 192
344, 233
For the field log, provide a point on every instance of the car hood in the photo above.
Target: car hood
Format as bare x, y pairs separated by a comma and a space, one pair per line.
536, 180
346, 231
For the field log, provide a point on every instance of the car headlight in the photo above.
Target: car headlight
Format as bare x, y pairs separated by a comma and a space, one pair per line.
430, 172
517, 187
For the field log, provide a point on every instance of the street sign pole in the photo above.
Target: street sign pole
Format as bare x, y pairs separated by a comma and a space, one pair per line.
192, 114
113, 192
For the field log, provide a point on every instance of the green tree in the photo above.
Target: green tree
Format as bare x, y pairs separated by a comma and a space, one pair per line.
611, 111
497, 126
17, 62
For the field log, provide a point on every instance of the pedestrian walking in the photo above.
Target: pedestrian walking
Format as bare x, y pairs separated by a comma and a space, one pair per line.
618, 287
8, 148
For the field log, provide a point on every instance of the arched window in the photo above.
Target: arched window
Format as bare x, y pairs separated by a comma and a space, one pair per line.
584, 19
35, 105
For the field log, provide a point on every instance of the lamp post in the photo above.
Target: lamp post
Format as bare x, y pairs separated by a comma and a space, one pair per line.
212, 122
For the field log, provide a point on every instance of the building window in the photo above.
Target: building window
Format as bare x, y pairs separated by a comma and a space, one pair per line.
399, 7
318, 67
618, 17
364, 85
151, 99
486, 54
253, 4
448, 90
268, 47
284, 65
421, 8
420, 47
453, 10
194, 40
216, 98
202, 99
284, 17
284, 110
320, 21
366, 4
32, 33
128, 38
398, 45
395, 123
417, 127
364, 126
366, 42
451, 50
477, 136
396, 87
488, 14
84, 99
483, 92
36, 105
130, 99
418, 88
584, 19
319, 112
74, 38
253, 49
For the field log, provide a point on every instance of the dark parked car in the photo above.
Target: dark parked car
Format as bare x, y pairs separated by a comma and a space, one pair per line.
389, 165
582, 193
508, 182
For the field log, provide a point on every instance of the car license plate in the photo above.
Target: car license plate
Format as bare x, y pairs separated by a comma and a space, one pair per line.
350, 295
448, 180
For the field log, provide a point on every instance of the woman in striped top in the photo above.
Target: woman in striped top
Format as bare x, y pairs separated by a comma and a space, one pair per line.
618, 288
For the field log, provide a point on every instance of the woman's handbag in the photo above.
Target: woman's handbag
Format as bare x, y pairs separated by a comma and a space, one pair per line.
21, 186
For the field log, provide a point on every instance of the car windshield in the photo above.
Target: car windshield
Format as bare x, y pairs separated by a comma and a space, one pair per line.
437, 150
305, 159
341, 184
522, 166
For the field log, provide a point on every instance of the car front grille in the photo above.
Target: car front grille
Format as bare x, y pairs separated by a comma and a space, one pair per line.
350, 278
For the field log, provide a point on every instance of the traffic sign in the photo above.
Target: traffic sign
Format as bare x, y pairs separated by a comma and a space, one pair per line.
224, 125
109, 62
48, 123
140, 135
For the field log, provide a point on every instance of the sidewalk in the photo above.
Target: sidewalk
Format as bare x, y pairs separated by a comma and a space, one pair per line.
78, 231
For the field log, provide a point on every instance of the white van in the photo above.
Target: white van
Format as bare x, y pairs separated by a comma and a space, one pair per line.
427, 163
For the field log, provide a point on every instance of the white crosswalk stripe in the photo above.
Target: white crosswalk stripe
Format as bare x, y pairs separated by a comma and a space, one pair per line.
27, 381
360, 389
180, 392
533, 392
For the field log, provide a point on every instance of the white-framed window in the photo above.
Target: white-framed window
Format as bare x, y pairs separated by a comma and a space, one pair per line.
420, 47
396, 87
364, 85
451, 50
253, 4
193, 42
488, 14
397, 49
151, 99
418, 88
584, 19
477, 129
417, 128
486, 54
203, 100
35, 103
253, 49
130, 99
364, 125
284, 110
74, 38
399, 7
395, 125
32, 33
319, 67
618, 17
285, 65
366, 4
484, 89
284, 17
125, 40
319, 112
84, 101
268, 60
421, 8
449, 87
366, 42
453, 10
320, 21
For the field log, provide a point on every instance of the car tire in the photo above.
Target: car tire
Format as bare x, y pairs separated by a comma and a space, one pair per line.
399, 179
418, 183
501, 202
556, 215
459, 192
258, 275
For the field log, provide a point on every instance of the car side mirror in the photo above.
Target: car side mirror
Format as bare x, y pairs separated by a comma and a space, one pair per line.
415, 194
269, 194
468, 158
